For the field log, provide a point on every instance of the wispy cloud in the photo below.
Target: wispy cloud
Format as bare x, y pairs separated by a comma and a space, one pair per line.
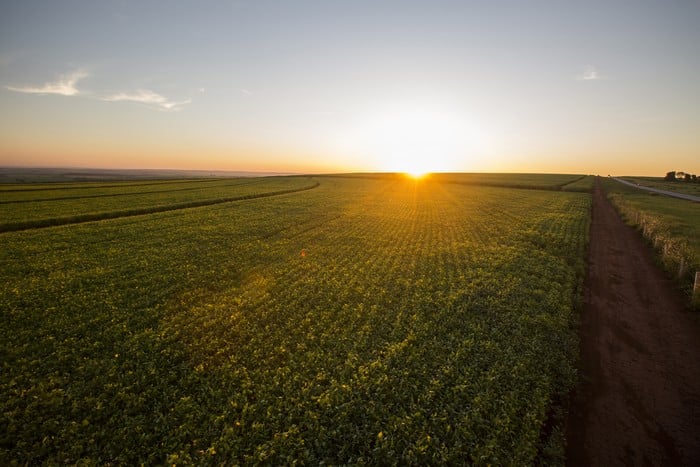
65, 86
590, 73
144, 96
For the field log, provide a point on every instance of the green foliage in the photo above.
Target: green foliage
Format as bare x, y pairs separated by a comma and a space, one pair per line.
424, 323
28, 209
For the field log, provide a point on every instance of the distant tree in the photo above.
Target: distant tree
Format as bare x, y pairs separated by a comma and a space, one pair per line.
688, 178
695, 178
670, 176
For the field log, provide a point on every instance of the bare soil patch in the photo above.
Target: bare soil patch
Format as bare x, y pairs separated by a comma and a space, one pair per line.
639, 399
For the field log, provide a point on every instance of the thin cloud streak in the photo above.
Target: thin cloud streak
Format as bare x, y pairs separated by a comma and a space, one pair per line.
144, 96
65, 86
589, 74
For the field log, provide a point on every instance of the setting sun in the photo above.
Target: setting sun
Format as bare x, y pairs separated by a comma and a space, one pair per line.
417, 141
416, 174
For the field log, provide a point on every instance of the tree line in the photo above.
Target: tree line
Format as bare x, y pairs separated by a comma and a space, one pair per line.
674, 176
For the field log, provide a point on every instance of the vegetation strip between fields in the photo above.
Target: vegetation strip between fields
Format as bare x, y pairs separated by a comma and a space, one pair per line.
98, 216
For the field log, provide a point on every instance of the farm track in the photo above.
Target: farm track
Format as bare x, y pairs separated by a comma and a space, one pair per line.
639, 399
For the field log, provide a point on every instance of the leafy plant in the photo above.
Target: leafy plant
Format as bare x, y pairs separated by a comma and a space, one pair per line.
425, 323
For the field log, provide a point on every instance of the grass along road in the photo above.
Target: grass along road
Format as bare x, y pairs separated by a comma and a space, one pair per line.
674, 194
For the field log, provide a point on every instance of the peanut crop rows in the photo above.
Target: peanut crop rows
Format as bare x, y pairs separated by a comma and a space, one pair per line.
363, 321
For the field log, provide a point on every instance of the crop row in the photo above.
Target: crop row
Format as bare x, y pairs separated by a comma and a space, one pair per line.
371, 321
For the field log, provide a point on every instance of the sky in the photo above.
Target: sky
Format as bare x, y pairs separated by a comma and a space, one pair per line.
600, 87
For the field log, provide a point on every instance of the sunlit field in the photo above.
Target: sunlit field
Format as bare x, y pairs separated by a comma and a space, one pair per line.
348, 233
360, 320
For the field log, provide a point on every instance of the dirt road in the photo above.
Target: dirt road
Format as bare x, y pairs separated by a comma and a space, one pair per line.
639, 403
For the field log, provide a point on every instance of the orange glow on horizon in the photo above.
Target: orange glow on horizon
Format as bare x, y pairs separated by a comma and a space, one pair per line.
417, 175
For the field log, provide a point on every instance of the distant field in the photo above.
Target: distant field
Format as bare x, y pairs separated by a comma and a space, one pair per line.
362, 321
29, 176
661, 184
583, 184
47, 204
553, 182
542, 181
672, 224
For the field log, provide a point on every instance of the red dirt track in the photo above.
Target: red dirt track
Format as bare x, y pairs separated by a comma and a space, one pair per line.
639, 399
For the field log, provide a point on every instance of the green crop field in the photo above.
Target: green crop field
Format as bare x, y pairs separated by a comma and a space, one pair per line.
553, 182
323, 320
44, 205
671, 224
583, 184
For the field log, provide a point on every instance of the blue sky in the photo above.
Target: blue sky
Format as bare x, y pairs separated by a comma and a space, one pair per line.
542, 86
